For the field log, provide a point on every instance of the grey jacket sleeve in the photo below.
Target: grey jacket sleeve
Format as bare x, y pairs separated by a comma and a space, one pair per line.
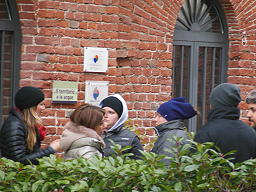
166, 144
136, 147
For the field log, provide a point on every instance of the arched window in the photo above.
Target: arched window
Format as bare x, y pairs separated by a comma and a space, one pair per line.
200, 54
10, 38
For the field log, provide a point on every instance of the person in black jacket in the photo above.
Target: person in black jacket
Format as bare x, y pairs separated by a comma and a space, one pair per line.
170, 118
224, 128
116, 113
21, 133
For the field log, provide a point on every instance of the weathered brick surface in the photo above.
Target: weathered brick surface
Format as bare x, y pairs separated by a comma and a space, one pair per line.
139, 37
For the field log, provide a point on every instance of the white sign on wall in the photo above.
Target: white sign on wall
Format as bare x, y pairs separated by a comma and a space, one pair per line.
95, 59
64, 92
95, 91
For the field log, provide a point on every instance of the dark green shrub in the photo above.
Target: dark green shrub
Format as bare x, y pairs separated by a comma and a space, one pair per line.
202, 169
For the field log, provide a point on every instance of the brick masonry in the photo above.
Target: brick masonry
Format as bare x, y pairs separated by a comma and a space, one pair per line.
138, 34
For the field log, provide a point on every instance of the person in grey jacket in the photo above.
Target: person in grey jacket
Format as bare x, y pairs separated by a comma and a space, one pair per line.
80, 137
170, 118
116, 113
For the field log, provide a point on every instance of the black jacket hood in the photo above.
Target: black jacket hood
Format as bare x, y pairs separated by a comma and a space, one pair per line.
232, 113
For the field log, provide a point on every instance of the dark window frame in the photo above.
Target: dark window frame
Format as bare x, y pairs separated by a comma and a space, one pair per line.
11, 25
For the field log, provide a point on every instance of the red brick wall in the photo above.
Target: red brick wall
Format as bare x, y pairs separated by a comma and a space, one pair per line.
241, 18
139, 36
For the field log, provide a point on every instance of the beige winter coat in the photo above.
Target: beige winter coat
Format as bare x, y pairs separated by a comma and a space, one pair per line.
79, 141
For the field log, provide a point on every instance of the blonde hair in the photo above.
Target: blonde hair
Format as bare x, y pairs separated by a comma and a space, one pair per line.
31, 119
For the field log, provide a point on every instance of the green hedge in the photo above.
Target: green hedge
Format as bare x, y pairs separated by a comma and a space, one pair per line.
201, 170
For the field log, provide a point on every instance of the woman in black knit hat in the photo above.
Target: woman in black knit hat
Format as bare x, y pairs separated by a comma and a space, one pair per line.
22, 131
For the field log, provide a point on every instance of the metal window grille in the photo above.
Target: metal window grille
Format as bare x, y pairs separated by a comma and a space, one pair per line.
200, 54
10, 38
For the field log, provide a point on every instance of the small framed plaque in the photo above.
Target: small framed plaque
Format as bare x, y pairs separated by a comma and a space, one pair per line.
95, 91
64, 92
95, 59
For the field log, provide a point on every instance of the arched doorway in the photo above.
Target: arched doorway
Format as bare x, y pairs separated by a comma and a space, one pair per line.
10, 41
200, 54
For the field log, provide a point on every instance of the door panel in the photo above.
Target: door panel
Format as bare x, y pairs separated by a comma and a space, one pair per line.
182, 70
209, 75
197, 69
10, 49
201, 25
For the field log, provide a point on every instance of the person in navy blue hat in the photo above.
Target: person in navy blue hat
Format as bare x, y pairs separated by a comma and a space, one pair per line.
170, 118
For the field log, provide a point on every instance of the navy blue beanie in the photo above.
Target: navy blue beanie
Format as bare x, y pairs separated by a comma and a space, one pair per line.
176, 108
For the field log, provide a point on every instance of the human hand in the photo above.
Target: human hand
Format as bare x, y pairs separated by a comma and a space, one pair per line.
56, 145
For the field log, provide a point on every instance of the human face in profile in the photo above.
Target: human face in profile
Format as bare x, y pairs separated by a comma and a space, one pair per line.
252, 114
110, 118
159, 119
40, 108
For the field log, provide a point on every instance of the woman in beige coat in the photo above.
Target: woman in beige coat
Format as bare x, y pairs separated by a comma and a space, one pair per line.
80, 137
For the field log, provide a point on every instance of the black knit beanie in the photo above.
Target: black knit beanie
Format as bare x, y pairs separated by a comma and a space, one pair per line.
225, 94
114, 104
27, 97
